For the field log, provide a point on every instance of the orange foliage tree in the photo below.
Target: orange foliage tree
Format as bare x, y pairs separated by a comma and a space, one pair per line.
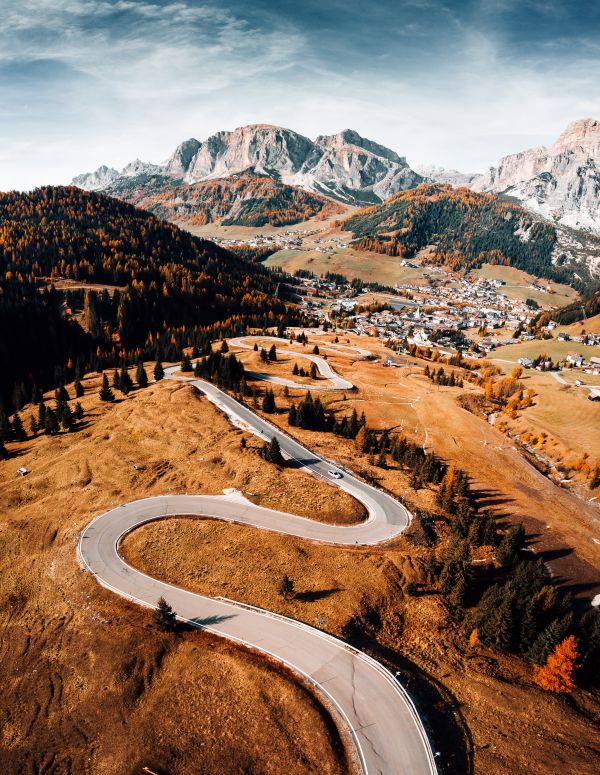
557, 674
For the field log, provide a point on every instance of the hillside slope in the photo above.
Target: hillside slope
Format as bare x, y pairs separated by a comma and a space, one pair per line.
245, 199
160, 278
465, 230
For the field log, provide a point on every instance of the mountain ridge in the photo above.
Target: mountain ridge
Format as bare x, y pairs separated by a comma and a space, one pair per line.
344, 166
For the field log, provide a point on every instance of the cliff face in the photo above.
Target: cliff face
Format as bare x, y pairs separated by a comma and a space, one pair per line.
561, 183
345, 166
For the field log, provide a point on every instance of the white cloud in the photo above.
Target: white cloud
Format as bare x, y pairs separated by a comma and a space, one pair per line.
91, 81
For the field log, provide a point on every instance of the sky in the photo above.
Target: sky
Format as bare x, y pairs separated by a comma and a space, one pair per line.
458, 83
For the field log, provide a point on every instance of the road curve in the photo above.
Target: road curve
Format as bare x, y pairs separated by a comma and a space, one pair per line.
382, 721
335, 381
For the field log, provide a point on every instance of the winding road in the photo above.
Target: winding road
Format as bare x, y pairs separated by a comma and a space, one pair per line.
371, 706
335, 381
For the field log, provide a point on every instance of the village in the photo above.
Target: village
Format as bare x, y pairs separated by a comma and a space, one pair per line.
474, 316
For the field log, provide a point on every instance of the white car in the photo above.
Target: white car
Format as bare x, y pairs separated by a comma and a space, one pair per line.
335, 474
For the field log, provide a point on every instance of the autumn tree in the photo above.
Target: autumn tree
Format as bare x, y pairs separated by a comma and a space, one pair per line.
557, 675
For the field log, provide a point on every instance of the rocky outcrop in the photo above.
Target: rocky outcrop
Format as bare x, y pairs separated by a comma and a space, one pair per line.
442, 175
561, 183
345, 166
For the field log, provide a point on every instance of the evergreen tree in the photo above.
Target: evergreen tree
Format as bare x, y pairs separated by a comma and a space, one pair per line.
51, 426
224, 347
313, 371
165, 617
33, 425
78, 411
549, 638
79, 391
273, 353
510, 546
186, 364
116, 383
272, 452
140, 375
159, 372
41, 414
268, 402
292, 418
125, 381
286, 588
19, 432
67, 418
106, 393
6, 430
295, 370
61, 394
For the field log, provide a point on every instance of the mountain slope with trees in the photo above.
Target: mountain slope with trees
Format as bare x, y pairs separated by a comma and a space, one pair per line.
246, 199
166, 286
464, 229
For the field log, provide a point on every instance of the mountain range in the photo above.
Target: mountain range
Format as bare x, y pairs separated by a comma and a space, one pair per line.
560, 183
344, 166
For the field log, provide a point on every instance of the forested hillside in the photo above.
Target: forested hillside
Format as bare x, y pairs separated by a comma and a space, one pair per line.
173, 287
245, 199
465, 229
571, 313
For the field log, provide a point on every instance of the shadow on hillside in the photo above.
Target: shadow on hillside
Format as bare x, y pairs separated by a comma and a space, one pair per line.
317, 594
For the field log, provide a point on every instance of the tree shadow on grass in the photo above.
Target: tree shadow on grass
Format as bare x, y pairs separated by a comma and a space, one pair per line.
317, 594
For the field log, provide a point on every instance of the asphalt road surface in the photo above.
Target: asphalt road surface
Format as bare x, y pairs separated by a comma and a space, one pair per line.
376, 712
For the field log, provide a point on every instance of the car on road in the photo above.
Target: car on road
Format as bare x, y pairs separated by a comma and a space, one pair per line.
335, 474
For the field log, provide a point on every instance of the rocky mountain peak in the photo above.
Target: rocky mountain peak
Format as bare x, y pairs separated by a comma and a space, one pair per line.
561, 183
581, 136
344, 165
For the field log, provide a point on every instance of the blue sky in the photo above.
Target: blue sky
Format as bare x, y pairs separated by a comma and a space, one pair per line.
85, 82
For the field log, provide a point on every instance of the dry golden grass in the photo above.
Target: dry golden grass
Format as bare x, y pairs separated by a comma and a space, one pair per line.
88, 684
85, 674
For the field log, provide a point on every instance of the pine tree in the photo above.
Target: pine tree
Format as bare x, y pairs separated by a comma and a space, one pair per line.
273, 353
51, 426
33, 425
186, 364
557, 675
313, 371
78, 411
106, 393
140, 375
224, 347
159, 372
125, 381
292, 418
19, 432
61, 394
165, 617
79, 391
286, 588
268, 402
510, 546
295, 370
316, 350
549, 638
41, 414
